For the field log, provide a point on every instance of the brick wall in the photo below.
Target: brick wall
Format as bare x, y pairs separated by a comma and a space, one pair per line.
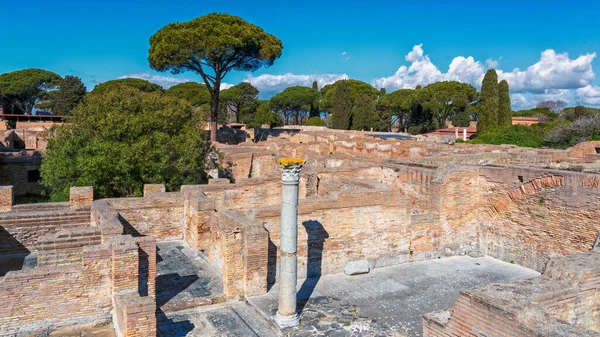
239, 249
20, 231
333, 231
81, 196
66, 246
14, 171
531, 221
562, 302
69, 295
160, 215
153, 188
198, 208
6, 198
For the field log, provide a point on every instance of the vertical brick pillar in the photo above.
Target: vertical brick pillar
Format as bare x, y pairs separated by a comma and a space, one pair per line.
6, 198
153, 188
198, 209
147, 265
80, 196
125, 266
256, 259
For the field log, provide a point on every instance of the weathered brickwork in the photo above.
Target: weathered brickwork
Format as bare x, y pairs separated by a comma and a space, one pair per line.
6, 198
81, 196
134, 315
20, 231
49, 296
160, 215
239, 249
563, 302
153, 188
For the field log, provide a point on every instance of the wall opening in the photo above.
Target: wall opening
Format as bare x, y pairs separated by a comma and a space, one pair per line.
33, 176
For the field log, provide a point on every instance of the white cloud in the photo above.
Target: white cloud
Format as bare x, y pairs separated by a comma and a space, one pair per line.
552, 71
530, 100
269, 85
588, 95
345, 56
167, 81
554, 76
164, 81
492, 64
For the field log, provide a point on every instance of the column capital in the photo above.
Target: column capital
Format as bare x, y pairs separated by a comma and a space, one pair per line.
291, 168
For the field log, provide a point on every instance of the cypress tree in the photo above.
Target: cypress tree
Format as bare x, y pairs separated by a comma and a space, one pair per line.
504, 109
342, 106
364, 113
488, 106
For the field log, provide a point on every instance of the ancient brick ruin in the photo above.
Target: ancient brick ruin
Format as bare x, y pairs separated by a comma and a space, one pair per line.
92, 262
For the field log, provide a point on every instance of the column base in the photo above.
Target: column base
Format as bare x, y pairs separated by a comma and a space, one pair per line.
286, 321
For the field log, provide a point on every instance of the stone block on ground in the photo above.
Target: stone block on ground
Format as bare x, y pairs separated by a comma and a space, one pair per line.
357, 267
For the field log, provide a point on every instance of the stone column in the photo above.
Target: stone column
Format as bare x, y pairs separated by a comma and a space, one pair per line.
465, 134
288, 260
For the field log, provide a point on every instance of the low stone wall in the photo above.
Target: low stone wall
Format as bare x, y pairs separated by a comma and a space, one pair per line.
20, 231
160, 215
37, 298
563, 302
66, 246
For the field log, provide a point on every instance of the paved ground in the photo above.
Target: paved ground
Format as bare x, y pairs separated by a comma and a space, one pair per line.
183, 277
219, 320
388, 301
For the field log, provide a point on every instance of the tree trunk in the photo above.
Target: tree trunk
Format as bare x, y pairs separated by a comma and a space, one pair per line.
214, 113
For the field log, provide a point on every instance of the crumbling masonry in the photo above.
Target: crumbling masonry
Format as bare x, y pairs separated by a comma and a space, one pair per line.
88, 262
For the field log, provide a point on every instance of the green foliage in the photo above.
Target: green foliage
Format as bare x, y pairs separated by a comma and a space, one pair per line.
120, 139
462, 118
137, 83
242, 99
21, 90
315, 121
294, 102
356, 87
315, 86
504, 109
213, 45
445, 99
69, 94
535, 111
341, 105
264, 115
400, 105
364, 113
488, 103
572, 114
519, 135
195, 93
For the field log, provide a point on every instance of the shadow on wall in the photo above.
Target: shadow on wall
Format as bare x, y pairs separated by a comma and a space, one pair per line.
12, 253
316, 236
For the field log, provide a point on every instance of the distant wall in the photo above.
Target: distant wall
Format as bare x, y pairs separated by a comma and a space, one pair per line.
22, 172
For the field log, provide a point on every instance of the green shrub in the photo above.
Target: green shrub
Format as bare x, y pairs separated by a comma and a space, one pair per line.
315, 121
519, 135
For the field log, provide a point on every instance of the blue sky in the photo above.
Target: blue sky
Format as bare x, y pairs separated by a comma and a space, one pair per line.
328, 40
